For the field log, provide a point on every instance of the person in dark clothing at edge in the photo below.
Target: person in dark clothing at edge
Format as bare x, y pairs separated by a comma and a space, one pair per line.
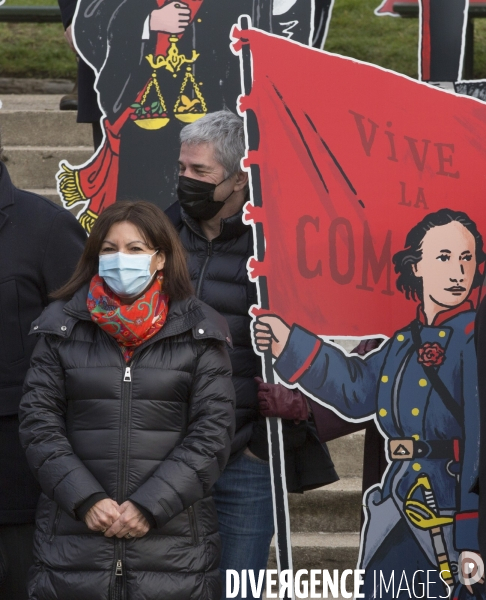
212, 191
40, 244
480, 487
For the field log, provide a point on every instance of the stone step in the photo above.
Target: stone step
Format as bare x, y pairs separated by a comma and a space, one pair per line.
43, 128
35, 87
35, 167
30, 101
333, 508
347, 454
321, 551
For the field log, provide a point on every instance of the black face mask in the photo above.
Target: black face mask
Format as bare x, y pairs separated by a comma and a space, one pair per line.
196, 198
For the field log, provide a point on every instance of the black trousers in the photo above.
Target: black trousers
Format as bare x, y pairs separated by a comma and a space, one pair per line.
16, 544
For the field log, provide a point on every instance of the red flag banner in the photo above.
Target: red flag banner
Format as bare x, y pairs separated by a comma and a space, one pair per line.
351, 158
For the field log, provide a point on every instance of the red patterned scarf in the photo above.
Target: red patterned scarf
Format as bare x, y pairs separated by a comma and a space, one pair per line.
129, 324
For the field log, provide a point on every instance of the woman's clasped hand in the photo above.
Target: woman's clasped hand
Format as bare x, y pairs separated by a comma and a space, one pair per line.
114, 520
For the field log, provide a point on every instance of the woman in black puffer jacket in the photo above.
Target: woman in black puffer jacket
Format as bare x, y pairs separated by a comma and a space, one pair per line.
127, 421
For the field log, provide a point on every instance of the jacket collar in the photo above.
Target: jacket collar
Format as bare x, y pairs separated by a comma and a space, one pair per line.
77, 306
231, 227
7, 191
445, 315
60, 318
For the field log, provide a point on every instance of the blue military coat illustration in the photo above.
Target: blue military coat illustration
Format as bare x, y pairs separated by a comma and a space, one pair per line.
424, 514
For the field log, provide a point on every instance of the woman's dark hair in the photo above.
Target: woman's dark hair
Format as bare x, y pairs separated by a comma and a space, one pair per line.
404, 260
158, 233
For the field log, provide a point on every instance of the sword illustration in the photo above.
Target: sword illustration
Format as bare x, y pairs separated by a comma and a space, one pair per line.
425, 516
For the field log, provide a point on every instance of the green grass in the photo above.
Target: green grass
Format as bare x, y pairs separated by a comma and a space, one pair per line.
35, 49
39, 50
480, 48
386, 41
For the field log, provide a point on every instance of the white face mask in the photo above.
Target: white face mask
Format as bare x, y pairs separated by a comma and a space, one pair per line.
126, 274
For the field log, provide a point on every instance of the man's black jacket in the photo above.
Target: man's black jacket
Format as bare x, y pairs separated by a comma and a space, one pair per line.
40, 244
218, 273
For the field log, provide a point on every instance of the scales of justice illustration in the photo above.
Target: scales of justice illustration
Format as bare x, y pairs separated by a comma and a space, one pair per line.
154, 115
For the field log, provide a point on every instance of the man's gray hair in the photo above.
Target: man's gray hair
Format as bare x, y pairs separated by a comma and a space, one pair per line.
224, 130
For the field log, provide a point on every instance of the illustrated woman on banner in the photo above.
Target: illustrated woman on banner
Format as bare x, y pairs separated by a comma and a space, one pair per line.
421, 387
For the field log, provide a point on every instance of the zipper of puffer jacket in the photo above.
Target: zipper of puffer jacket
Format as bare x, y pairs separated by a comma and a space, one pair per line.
122, 474
117, 586
203, 270
193, 524
125, 407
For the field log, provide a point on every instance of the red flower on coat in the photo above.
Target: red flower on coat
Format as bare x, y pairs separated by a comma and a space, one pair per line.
431, 354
